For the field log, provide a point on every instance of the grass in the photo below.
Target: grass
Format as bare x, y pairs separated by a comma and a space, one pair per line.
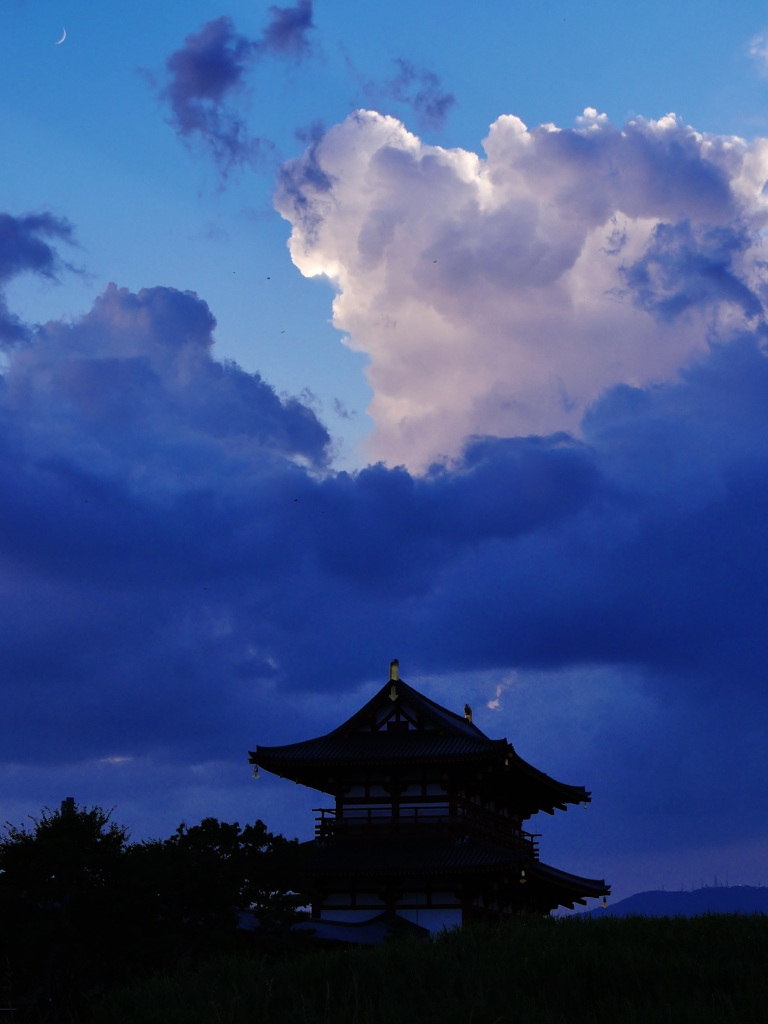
533, 971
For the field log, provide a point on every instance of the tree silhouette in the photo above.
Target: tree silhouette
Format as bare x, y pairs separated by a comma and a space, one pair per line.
82, 907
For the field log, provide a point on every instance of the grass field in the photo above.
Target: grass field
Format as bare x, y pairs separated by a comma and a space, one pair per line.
618, 971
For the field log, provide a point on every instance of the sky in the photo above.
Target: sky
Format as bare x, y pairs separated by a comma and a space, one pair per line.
333, 333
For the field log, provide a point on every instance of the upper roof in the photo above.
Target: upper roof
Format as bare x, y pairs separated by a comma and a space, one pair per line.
432, 731
399, 726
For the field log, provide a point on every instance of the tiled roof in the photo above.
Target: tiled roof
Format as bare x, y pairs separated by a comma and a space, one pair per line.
445, 721
431, 856
593, 887
370, 747
442, 737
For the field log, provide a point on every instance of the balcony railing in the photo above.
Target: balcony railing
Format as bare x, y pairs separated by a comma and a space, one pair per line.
423, 821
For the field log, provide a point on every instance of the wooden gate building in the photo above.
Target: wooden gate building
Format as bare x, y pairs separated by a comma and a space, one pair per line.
427, 817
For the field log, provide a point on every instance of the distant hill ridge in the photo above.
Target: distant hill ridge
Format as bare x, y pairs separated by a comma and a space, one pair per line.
733, 899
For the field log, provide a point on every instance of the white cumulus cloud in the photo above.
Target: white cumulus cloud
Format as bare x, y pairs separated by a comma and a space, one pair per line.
501, 294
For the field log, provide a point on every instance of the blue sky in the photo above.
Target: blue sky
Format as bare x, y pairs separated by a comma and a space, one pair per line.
526, 451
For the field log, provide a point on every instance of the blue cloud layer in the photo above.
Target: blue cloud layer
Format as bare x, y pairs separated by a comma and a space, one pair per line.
176, 551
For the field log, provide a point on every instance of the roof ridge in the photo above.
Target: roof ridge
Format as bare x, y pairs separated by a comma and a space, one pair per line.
447, 711
434, 710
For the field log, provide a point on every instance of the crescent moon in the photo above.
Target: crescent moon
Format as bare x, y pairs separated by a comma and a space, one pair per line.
63, 37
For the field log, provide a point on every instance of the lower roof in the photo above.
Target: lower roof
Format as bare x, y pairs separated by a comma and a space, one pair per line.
437, 855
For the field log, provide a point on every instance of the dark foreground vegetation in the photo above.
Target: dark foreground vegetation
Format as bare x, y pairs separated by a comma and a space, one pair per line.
83, 909
706, 970
95, 929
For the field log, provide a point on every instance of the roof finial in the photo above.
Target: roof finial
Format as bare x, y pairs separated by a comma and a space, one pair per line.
468, 713
394, 668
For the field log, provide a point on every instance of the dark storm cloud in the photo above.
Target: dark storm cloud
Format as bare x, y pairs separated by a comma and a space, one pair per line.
415, 87
202, 76
132, 459
208, 72
25, 247
644, 544
287, 34
422, 91
682, 268
179, 563
141, 364
156, 458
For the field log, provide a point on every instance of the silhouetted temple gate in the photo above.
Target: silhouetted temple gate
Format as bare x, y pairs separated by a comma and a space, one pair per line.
427, 817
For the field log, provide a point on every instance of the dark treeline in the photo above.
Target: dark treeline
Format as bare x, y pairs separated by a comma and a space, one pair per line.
97, 929
82, 908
